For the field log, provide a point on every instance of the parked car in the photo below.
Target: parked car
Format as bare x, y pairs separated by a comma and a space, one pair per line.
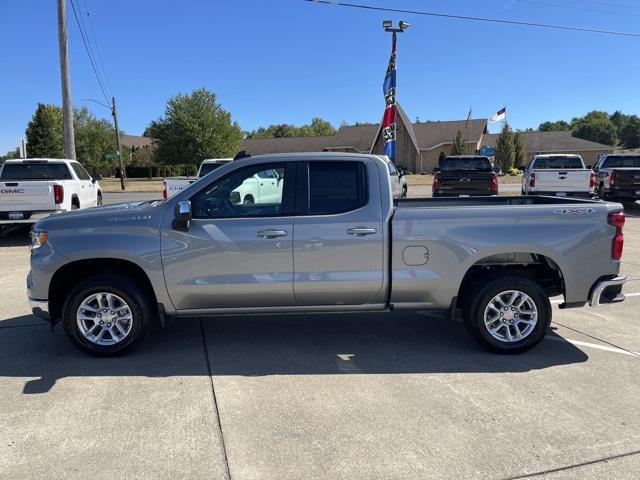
464, 176
561, 175
173, 185
397, 177
618, 176
35, 188
332, 240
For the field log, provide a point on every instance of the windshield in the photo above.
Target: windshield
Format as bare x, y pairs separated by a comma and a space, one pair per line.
622, 162
207, 168
35, 171
565, 163
477, 164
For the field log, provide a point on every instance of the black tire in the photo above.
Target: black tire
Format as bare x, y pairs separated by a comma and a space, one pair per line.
404, 192
601, 192
248, 200
477, 302
75, 204
137, 299
99, 199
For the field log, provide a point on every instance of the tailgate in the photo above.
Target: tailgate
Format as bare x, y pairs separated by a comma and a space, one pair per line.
562, 180
465, 181
174, 185
628, 179
26, 196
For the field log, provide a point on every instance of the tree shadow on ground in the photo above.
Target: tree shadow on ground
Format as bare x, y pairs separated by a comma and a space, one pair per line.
338, 344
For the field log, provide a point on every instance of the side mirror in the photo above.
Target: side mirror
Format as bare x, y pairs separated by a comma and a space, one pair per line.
182, 216
588, 167
522, 168
436, 170
402, 172
496, 169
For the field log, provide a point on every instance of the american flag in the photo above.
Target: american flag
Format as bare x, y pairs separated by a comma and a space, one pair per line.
389, 119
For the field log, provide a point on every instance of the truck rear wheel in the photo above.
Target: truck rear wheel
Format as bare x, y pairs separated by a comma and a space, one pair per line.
509, 314
106, 315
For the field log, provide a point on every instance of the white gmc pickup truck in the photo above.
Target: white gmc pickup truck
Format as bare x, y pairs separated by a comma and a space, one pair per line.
174, 185
34, 188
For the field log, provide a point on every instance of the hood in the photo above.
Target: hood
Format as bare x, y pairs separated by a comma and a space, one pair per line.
108, 215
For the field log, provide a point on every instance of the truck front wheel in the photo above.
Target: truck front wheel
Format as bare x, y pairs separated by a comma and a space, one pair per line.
106, 315
510, 314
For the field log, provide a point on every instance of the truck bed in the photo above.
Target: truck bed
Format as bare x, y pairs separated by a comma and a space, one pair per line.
489, 201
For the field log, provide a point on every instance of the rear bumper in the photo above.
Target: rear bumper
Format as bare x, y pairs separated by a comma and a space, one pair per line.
32, 217
607, 291
566, 194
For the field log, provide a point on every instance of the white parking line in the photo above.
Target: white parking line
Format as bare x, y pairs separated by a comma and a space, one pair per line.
604, 348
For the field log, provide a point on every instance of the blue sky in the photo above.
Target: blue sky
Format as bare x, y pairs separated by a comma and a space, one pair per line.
285, 61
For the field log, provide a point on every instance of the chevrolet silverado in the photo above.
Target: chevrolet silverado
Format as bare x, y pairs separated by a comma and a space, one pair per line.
332, 240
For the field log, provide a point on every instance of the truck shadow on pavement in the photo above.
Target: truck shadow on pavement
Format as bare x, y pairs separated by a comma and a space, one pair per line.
339, 344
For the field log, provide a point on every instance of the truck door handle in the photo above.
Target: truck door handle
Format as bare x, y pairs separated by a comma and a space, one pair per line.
361, 231
272, 233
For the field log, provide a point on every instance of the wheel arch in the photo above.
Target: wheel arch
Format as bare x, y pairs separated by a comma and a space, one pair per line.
70, 274
540, 267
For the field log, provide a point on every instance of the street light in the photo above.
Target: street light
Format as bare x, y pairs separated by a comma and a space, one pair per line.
388, 26
114, 112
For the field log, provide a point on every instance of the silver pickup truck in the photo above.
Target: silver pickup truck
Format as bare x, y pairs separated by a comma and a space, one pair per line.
332, 240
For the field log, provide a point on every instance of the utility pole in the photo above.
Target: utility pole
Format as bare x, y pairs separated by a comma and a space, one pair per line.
114, 112
67, 107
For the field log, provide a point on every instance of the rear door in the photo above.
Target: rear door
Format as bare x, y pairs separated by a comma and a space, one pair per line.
339, 234
561, 174
86, 191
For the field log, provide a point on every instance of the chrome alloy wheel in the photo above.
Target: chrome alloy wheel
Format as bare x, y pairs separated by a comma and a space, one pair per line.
510, 316
104, 318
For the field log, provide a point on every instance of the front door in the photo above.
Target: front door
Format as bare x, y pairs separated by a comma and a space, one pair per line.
338, 243
236, 253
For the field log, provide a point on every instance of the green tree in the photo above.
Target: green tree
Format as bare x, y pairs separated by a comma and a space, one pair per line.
505, 151
630, 134
596, 127
558, 126
519, 153
317, 127
194, 127
94, 139
11, 154
44, 133
459, 146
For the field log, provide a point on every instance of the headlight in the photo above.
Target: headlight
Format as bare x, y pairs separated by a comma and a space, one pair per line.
38, 238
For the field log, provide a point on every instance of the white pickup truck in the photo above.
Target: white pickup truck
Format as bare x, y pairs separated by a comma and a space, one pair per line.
561, 175
171, 186
34, 188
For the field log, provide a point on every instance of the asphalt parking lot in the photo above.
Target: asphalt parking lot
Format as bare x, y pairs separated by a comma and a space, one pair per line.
389, 396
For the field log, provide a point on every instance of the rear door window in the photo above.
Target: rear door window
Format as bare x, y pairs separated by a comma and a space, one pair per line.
80, 171
562, 163
35, 171
336, 187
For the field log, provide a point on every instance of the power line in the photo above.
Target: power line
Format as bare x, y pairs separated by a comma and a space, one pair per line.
86, 47
576, 7
477, 19
95, 42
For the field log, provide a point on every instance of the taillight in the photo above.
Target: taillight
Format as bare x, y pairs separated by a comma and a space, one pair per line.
58, 194
617, 220
164, 189
532, 182
436, 184
494, 183
612, 179
592, 180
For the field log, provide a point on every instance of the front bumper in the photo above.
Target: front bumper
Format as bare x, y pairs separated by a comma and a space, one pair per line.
607, 291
